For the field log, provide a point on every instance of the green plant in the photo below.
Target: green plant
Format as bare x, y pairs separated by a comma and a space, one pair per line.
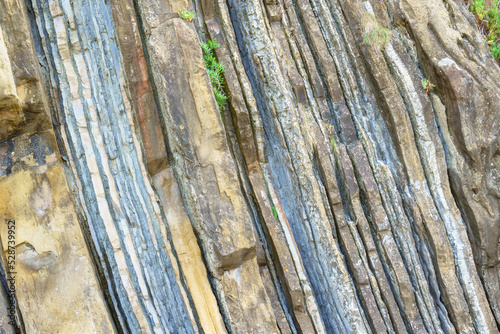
275, 212
334, 142
477, 8
427, 85
186, 15
488, 21
377, 36
330, 128
495, 50
374, 33
215, 70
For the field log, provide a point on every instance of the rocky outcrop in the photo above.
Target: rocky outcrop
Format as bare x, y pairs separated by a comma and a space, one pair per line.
52, 268
336, 192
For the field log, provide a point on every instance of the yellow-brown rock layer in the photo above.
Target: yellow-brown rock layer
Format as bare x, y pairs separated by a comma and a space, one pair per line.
349, 184
47, 260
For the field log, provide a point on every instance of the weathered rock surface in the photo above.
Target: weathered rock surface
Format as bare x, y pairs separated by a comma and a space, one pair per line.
54, 279
333, 193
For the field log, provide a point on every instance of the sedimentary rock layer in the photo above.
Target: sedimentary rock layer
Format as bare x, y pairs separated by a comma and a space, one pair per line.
335, 192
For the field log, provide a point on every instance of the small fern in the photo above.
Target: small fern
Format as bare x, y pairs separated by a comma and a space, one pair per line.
215, 70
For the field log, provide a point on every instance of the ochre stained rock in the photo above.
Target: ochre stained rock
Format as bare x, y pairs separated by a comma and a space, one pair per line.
52, 261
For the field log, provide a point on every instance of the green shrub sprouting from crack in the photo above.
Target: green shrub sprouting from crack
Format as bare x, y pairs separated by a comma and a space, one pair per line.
215, 70
488, 21
374, 33
186, 15
427, 85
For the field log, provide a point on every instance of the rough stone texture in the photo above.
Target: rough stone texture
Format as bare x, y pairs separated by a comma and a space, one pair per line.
53, 268
333, 194
189, 253
10, 109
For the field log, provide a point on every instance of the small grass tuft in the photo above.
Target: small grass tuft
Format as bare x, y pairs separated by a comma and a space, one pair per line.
333, 142
374, 33
186, 15
215, 70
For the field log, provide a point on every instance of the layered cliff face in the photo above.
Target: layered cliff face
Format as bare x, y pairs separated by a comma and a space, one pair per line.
350, 185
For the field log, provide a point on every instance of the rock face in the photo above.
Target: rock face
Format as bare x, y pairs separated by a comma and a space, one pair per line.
335, 192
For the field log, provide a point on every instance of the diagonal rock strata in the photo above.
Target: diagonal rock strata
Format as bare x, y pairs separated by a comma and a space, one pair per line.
350, 185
